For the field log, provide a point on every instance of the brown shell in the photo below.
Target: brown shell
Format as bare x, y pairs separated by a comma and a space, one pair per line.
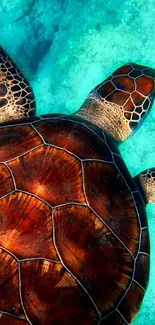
74, 246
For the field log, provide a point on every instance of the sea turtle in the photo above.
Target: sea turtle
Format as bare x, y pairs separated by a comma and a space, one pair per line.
74, 243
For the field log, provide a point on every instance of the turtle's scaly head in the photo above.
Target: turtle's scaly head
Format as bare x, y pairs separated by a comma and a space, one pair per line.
16, 96
120, 103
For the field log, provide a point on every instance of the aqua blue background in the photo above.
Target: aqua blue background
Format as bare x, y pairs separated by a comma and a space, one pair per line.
65, 48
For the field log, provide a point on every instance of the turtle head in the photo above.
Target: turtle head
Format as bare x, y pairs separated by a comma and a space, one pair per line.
16, 96
120, 103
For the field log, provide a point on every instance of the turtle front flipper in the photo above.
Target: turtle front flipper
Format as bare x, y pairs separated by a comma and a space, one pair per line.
16, 95
120, 103
146, 184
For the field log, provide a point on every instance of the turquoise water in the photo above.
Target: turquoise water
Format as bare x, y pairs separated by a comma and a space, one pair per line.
65, 48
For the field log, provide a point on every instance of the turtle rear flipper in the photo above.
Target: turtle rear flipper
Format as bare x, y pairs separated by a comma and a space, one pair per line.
16, 95
146, 184
119, 104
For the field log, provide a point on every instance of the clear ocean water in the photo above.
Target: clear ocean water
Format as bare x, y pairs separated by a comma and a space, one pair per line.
65, 48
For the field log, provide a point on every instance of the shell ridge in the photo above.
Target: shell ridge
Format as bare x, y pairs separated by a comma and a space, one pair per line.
20, 294
54, 241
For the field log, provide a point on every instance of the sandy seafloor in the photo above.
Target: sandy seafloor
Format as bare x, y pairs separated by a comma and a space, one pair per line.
65, 48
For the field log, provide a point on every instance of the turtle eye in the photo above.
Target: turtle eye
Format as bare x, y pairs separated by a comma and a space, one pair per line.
3, 93
132, 87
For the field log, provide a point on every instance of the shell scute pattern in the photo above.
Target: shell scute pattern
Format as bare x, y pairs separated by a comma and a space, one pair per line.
63, 244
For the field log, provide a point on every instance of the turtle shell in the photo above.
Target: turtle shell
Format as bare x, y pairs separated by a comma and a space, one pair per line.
74, 245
